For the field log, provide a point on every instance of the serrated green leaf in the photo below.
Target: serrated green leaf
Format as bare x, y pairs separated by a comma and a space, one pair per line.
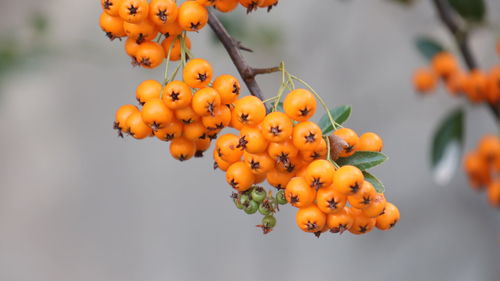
449, 130
471, 10
428, 47
340, 114
379, 186
363, 159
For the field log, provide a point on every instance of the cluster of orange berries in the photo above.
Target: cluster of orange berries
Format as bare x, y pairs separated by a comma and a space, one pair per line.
476, 85
290, 152
173, 113
483, 168
143, 22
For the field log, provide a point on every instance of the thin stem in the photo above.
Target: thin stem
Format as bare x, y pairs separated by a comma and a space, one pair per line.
270, 99
328, 150
175, 72
323, 103
165, 79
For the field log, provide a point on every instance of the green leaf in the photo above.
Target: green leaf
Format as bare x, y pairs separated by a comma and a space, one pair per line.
363, 159
279, 107
340, 114
471, 10
379, 186
428, 47
450, 130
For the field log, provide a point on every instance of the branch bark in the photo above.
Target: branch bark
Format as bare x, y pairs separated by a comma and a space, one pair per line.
233, 48
455, 27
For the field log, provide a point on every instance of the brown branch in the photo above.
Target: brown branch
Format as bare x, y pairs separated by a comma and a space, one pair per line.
233, 48
461, 37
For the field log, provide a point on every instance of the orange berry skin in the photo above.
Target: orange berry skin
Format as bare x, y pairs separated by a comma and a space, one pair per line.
194, 131
489, 148
252, 140
267, 3
192, 16
310, 219
202, 145
279, 179
171, 30
340, 221
389, 218
476, 86
424, 80
477, 168
156, 114
319, 174
219, 163
175, 53
141, 31
226, 6
351, 138
111, 7
148, 90
220, 120
112, 26
250, 111
134, 11
455, 83
121, 116
318, 153
228, 87
277, 127
205, 101
182, 149
150, 54
227, 148
306, 135
239, 176
493, 193
251, 5
186, 115
361, 223
329, 200
370, 142
493, 93
444, 64
258, 163
364, 197
171, 131
137, 128
376, 207
348, 180
176, 95
131, 47
197, 73
162, 11
281, 152
298, 193
300, 105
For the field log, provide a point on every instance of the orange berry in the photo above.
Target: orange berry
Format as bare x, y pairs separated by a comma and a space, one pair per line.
476, 86
176, 52
134, 11
171, 30
251, 5
424, 80
227, 148
192, 16
351, 139
205, 101
150, 54
348, 180
121, 116
279, 179
202, 145
182, 149
111, 7
455, 83
370, 142
277, 127
252, 140
112, 26
228, 87
477, 169
340, 221
162, 11
171, 131
131, 48
329, 200
258, 163
489, 148
194, 131
389, 218
300, 105
361, 223
298, 193
282, 152
306, 135
318, 153
320, 174
376, 207
493, 193
310, 219
239, 176
250, 111
156, 114
444, 64
220, 120
176, 95
186, 115
137, 128
219, 163
141, 31
364, 197
493, 93
148, 90
226, 5
197, 73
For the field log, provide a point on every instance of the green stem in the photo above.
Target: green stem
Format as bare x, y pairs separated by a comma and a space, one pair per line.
325, 106
165, 77
175, 72
270, 99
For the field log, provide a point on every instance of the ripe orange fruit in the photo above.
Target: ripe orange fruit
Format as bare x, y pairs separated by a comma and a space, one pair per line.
131, 48
310, 219
111, 7
134, 11
227, 148
228, 87
239, 176
370, 142
148, 90
194, 131
186, 115
156, 114
389, 218
493, 93
489, 148
137, 128
202, 145
258, 163
444, 64
376, 208
319, 174
329, 200
226, 5
493, 193
277, 127
171, 131
282, 152
141, 31
175, 43
250, 111
112, 26
205, 101
197, 73
192, 16
182, 149
340, 221
121, 116
361, 223
279, 179
176, 95
150, 54
348, 180
219, 163
171, 30
306, 135
351, 139
298, 193
476, 86
477, 169
424, 80
162, 11
318, 153
220, 120
364, 197
300, 105
252, 140
251, 5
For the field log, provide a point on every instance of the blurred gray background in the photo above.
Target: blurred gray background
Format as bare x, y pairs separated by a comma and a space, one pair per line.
78, 203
